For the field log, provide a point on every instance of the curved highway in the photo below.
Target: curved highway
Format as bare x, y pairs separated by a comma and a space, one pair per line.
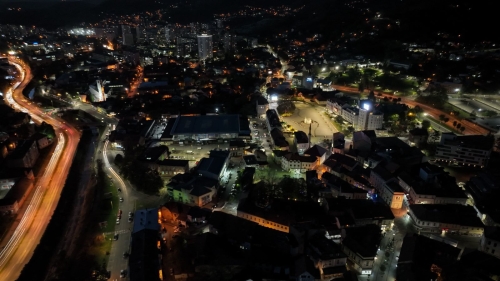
21, 245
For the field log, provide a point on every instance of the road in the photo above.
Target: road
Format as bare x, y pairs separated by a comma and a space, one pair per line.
470, 127
32, 224
116, 260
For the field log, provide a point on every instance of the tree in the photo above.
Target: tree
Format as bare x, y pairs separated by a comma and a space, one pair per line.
361, 87
441, 117
426, 124
446, 119
118, 160
339, 119
454, 123
371, 96
462, 129
459, 125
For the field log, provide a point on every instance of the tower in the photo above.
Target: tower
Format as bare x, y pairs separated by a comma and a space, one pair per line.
205, 47
310, 135
127, 37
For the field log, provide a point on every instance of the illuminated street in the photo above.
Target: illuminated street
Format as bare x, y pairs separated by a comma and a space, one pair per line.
33, 222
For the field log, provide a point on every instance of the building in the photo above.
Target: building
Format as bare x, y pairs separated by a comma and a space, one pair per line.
301, 141
369, 118
390, 191
127, 36
279, 140
15, 187
490, 241
194, 190
280, 215
363, 117
205, 47
25, 155
214, 166
424, 258
171, 167
237, 148
431, 185
41, 140
184, 46
437, 218
96, 92
327, 256
209, 127
262, 106
273, 120
341, 188
297, 163
418, 136
144, 262
361, 244
464, 150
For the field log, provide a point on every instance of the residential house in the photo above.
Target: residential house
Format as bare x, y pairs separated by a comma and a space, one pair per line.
301, 141
25, 155
327, 256
279, 140
424, 258
490, 241
418, 136
237, 148
361, 244
171, 167
341, 188
197, 191
437, 218
298, 163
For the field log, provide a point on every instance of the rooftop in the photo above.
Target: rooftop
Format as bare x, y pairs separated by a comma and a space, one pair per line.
363, 240
146, 219
301, 137
451, 214
207, 124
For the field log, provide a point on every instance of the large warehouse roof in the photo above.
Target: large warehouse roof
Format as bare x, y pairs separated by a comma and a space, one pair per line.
215, 124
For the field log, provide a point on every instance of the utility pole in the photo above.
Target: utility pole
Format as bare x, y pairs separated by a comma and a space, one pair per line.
310, 124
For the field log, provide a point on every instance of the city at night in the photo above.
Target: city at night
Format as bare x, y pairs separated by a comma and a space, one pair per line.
219, 140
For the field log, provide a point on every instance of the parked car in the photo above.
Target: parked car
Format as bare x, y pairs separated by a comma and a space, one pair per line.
121, 199
123, 273
116, 237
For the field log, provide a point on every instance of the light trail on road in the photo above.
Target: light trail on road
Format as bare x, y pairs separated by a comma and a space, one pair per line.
27, 235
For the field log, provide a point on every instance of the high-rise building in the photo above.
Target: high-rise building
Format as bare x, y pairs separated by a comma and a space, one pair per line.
167, 34
229, 41
205, 46
184, 46
127, 36
141, 33
219, 23
369, 118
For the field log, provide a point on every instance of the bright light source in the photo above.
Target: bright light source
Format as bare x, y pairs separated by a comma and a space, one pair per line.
366, 106
274, 98
457, 89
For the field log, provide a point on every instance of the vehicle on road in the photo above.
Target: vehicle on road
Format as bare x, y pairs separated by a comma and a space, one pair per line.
121, 199
130, 219
123, 273
116, 236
